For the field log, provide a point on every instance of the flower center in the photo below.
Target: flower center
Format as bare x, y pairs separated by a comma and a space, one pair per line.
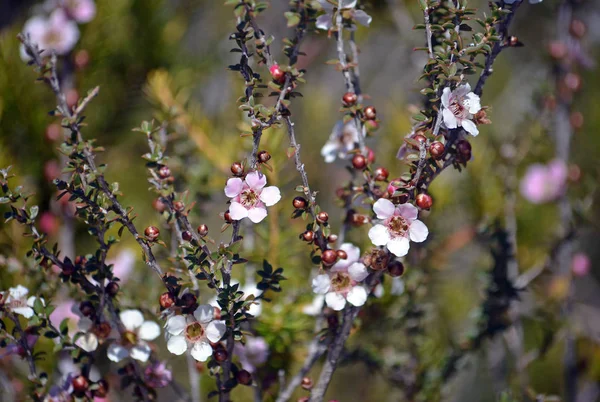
130, 338
398, 225
341, 281
458, 109
52, 37
249, 198
194, 332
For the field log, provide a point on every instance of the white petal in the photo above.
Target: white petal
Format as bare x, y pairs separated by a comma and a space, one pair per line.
418, 231
201, 351
205, 313
446, 97
256, 180
335, 301
321, 284
26, 312
408, 211
315, 307
379, 291
176, 325
149, 331
177, 345
348, 3
397, 286
384, 208
141, 352
461, 91
329, 151
87, 342
324, 22
470, 127
215, 330
325, 5
31, 301
358, 271
270, 195
472, 102
379, 235
132, 319
362, 18
116, 352
233, 187
257, 214
399, 246
449, 118
237, 211
18, 292
357, 296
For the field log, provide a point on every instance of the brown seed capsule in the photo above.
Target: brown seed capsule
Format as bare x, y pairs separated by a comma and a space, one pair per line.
159, 206
308, 236
329, 257
164, 172
187, 236
237, 169
342, 255
202, 230
436, 149
377, 259
381, 174
299, 203
424, 201
112, 288
166, 300
359, 162
263, 156
332, 238
188, 300
307, 383
395, 268
227, 217
220, 355
102, 330
244, 377
420, 138
178, 206
322, 217
370, 113
152, 233
80, 384
87, 309
349, 99
102, 389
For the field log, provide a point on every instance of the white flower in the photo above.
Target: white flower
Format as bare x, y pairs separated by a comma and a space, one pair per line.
341, 282
399, 224
326, 21
56, 33
133, 341
458, 108
250, 197
16, 300
342, 140
195, 332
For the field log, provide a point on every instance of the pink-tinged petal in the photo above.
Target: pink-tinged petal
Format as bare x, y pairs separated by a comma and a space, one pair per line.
321, 284
270, 196
335, 301
533, 184
201, 351
384, 208
87, 342
257, 214
26, 312
358, 271
256, 180
141, 352
446, 97
362, 18
418, 231
237, 211
449, 119
149, 331
123, 264
408, 211
215, 330
234, 187
58, 18
132, 319
557, 172
324, 22
357, 296
470, 127
176, 325
580, 264
205, 313
399, 246
84, 11
379, 235
116, 352
177, 345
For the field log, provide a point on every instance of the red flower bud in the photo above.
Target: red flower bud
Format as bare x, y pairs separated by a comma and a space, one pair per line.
329, 257
359, 162
202, 230
152, 233
349, 99
424, 201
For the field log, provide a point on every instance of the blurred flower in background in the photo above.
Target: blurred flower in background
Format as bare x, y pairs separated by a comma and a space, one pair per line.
544, 183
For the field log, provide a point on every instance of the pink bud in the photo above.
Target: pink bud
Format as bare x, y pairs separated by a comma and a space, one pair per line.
580, 265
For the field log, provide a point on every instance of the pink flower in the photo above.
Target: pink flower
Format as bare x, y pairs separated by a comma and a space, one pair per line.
253, 353
399, 224
249, 198
580, 265
543, 183
123, 264
56, 33
157, 375
81, 11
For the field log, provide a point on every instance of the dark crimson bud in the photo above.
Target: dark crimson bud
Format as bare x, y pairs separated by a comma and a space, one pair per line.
237, 169
359, 162
395, 268
300, 203
370, 113
152, 233
220, 355
424, 201
329, 257
187, 236
420, 138
342, 255
87, 308
227, 217
436, 149
164, 172
80, 384
166, 300
381, 174
277, 73
202, 230
179, 206
68, 268
102, 389
188, 300
112, 288
263, 156
463, 148
307, 383
332, 238
308, 236
244, 377
322, 217
349, 99
159, 206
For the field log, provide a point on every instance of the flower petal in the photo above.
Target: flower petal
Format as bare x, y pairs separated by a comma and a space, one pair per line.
149, 331
335, 301
205, 313
234, 187
379, 235
26, 312
237, 211
353, 253
215, 330
397, 286
418, 231
132, 319
87, 342
270, 195
177, 345
256, 180
176, 325
201, 351
449, 118
472, 102
141, 352
329, 151
470, 127
348, 4
325, 5
257, 214
446, 97
18, 292
321, 284
399, 246
116, 352
408, 211
357, 296
324, 22
384, 208
358, 271
362, 18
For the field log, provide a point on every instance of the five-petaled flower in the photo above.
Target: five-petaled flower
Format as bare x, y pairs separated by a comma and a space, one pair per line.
326, 21
458, 108
133, 340
399, 224
342, 140
57, 33
250, 197
16, 301
341, 282
543, 183
194, 332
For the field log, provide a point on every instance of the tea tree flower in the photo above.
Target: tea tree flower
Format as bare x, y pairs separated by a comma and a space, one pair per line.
250, 197
326, 21
342, 139
399, 224
81, 11
194, 332
157, 375
544, 183
133, 341
458, 108
56, 33
252, 354
16, 301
